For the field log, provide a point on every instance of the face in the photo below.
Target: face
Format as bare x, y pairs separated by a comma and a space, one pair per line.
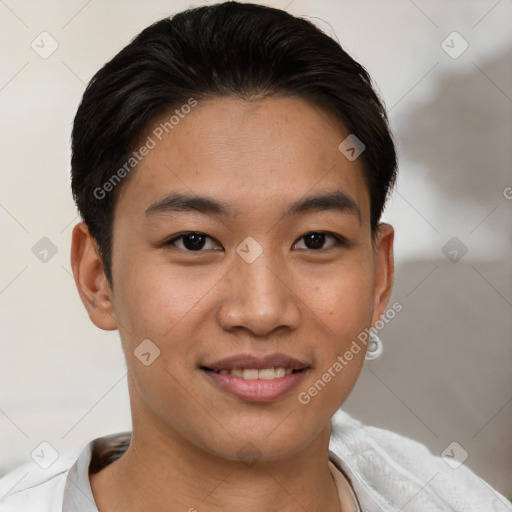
261, 273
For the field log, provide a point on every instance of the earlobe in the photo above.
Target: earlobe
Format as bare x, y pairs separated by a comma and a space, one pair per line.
384, 269
90, 279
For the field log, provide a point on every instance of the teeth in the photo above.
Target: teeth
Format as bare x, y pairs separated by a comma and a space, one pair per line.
263, 374
266, 374
281, 372
250, 374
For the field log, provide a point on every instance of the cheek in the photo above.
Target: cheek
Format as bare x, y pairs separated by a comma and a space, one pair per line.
342, 306
157, 303
153, 298
339, 354
341, 298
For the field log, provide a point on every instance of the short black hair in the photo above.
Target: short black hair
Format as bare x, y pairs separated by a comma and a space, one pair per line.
238, 49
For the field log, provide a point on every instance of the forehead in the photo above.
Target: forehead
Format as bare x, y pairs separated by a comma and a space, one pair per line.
252, 154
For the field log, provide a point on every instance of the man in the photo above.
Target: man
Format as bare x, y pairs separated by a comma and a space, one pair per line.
231, 165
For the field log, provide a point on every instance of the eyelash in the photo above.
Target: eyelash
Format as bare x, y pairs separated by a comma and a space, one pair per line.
339, 240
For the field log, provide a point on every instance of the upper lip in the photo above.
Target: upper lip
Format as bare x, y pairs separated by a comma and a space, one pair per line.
250, 361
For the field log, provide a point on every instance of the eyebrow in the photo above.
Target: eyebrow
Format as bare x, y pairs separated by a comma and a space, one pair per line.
334, 200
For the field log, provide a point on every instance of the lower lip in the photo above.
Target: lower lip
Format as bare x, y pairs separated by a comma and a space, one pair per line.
256, 390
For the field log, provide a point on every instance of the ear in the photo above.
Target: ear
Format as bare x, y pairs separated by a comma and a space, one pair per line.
384, 269
90, 278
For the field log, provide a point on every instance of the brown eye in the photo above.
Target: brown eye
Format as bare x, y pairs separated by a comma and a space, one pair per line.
316, 240
192, 241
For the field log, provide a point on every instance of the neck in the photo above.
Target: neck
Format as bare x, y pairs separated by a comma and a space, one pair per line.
158, 471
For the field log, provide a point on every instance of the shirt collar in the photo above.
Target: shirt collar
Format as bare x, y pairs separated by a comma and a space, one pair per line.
78, 493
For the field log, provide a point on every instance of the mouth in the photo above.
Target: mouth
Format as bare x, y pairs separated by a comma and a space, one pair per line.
256, 379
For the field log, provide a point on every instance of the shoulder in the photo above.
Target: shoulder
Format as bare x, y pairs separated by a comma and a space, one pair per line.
30, 487
65, 484
399, 473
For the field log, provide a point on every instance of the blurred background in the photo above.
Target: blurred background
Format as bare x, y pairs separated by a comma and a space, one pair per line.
444, 71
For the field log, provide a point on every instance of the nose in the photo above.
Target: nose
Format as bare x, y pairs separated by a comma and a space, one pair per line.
259, 298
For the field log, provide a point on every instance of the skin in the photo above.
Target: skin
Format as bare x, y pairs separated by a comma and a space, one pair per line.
311, 303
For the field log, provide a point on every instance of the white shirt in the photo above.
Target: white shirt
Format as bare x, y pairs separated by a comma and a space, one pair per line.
388, 472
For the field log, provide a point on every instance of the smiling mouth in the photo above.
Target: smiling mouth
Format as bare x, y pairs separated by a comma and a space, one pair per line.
255, 377
253, 373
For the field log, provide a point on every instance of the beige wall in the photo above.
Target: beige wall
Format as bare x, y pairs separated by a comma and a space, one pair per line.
447, 367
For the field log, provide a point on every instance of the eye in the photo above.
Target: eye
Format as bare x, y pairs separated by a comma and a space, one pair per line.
191, 241
194, 241
316, 239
